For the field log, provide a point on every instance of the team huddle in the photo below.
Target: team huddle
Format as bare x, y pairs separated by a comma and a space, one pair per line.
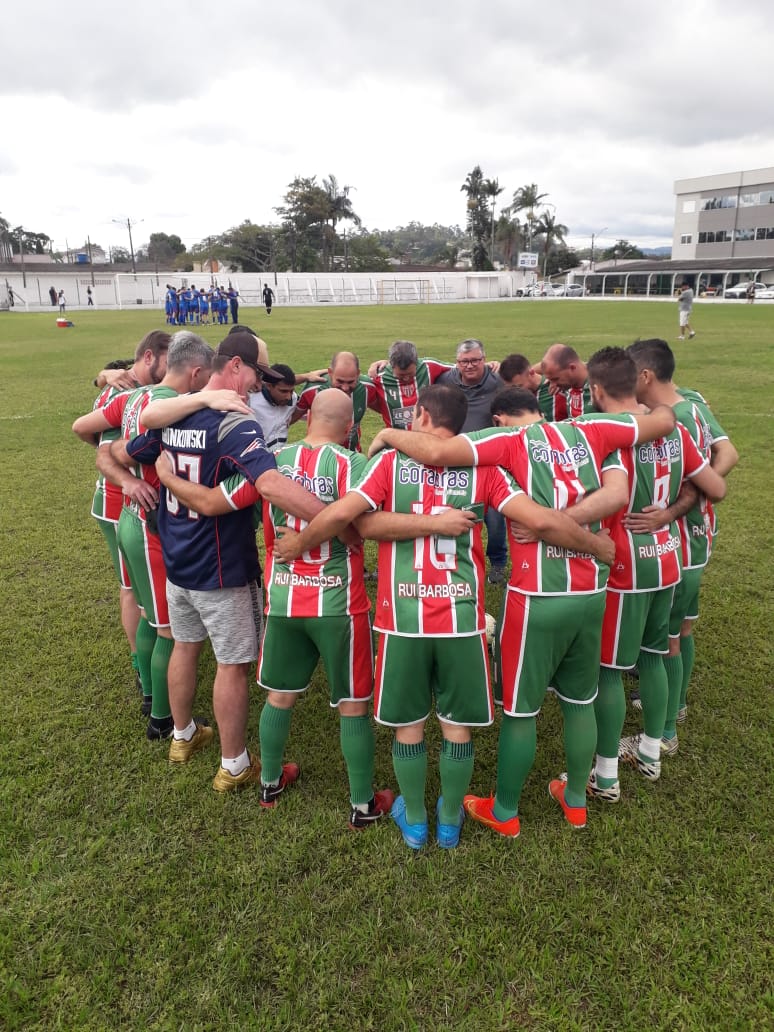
598, 479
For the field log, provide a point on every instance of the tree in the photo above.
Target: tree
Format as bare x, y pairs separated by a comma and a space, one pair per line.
527, 198
622, 249
163, 248
561, 260
551, 231
478, 217
366, 254
509, 235
305, 215
339, 209
491, 188
120, 256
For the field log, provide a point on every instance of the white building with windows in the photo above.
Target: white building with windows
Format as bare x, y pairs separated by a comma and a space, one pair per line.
725, 216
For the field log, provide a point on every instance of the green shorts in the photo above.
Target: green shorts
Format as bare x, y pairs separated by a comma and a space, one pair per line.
635, 620
409, 671
141, 552
685, 605
548, 640
292, 647
110, 534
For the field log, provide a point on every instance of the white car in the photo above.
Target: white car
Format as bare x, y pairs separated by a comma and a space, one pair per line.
766, 293
740, 290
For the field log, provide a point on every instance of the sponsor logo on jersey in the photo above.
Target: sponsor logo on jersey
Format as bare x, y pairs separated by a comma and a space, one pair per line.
308, 580
409, 590
659, 451
672, 544
447, 479
576, 455
187, 440
554, 552
322, 487
256, 445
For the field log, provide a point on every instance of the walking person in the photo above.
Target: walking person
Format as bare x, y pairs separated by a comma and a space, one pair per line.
685, 305
268, 297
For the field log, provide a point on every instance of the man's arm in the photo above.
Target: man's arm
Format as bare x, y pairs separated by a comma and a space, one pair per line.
557, 528
121, 378
724, 457
376, 367
654, 517
90, 426
398, 526
611, 497
207, 501
165, 411
135, 488
658, 423
289, 496
314, 376
425, 448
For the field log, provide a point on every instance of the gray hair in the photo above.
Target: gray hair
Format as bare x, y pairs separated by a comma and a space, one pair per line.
188, 349
402, 354
471, 344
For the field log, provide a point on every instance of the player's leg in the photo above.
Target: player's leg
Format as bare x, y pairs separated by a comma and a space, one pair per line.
129, 535
685, 606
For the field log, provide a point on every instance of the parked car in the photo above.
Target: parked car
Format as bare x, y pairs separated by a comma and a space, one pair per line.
740, 290
575, 290
766, 293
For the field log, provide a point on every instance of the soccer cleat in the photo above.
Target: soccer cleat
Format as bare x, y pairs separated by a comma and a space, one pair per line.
496, 575
146, 706
669, 746
448, 835
159, 728
575, 815
414, 835
480, 809
682, 715
271, 793
225, 781
181, 751
629, 752
377, 808
611, 794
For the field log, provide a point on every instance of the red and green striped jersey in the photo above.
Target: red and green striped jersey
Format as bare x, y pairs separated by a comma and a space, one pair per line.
552, 404
125, 411
396, 400
557, 464
364, 396
579, 401
655, 469
328, 580
431, 586
108, 499
699, 526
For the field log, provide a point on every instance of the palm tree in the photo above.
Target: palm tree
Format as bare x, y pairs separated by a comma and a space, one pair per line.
491, 188
527, 198
339, 209
552, 232
478, 216
508, 234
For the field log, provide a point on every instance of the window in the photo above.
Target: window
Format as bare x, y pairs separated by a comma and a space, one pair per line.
686, 238
689, 207
746, 200
744, 234
770, 233
767, 197
702, 238
760, 233
712, 203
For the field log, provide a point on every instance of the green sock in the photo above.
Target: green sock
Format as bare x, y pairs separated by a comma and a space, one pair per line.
456, 767
162, 652
610, 713
580, 741
674, 671
135, 664
273, 729
356, 735
688, 655
410, 764
515, 756
654, 692
146, 639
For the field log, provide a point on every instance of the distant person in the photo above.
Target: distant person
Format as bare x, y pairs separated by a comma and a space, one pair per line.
90, 298
53, 295
233, 301
750, 294
268, 297
11, 297
685, 303
61, 299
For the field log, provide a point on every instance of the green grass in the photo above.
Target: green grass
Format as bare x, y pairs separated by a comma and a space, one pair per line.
134, 896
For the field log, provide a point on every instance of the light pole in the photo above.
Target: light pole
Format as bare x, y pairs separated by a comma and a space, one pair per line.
593, 235
129, 224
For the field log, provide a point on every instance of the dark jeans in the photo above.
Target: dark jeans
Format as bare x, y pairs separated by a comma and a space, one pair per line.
497, 544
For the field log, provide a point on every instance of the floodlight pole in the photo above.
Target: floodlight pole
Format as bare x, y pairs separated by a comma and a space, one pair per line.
129, 224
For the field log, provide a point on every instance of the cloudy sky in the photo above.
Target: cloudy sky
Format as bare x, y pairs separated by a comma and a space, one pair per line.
191, 117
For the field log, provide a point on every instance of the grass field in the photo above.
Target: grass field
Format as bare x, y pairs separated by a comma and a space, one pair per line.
134, 896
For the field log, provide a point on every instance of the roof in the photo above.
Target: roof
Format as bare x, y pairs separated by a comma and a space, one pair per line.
667, 268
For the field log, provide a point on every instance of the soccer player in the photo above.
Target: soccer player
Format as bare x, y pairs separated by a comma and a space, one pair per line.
268, 297
114, 480
212, 561
233, 300
430, 607
399, 381
567, 375
550, 626
343, 373
655, 386
643, 577
189, 360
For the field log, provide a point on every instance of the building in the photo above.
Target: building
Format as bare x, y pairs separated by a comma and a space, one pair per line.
727, 216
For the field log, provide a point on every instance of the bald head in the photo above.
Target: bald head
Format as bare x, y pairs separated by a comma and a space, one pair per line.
344, 371
563, 368
330, 417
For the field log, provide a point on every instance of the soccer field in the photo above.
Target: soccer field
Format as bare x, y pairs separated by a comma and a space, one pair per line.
134, 896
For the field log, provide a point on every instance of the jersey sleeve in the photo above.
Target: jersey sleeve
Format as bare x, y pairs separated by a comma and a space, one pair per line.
693, 460
376, 478
145, 447
114, 410
242, 447
492, 447
239, 492
501, 487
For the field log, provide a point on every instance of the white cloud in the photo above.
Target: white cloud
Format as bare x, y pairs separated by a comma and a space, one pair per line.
193, 119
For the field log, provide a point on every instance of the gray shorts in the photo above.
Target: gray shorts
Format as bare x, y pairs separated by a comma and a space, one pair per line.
230, 617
